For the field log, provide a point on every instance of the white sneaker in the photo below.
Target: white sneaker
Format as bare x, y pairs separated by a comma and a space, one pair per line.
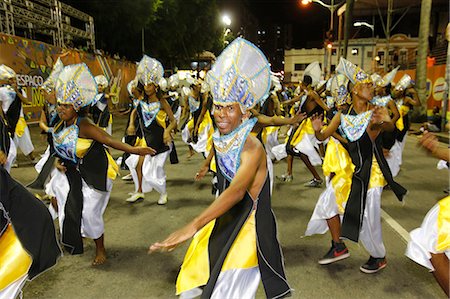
162, 199
127, 177
135, 197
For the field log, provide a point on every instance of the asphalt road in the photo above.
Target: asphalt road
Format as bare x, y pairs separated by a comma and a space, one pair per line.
130, 228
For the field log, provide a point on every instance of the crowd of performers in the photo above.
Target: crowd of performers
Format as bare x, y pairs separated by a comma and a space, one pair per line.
353, 125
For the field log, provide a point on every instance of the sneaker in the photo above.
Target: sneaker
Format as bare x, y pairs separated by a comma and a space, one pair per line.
373, 265
162, 199
315, 183
127, 177
15, 165
135, 197
285, 178
337, 252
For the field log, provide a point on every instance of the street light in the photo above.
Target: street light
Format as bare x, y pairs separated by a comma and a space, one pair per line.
372, 27
332, 7
226, 20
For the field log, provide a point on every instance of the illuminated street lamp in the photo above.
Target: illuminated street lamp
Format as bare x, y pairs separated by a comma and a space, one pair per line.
226, 20
331, 7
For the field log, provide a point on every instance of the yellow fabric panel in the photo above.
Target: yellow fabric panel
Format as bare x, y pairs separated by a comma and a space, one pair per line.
338, 161
20, 127
110, 119
14, 260
242, 254
403, 111
443, 242
376, 176
83, 146
161, 118
304, 128
267, 131
195, 268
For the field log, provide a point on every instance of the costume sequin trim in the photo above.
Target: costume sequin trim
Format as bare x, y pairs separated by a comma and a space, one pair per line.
149, 111
193, 104
65, 143
354, 126
381, 101
228, 147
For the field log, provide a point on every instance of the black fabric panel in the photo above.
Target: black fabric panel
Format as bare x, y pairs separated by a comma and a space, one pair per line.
13, 115
173, 154
153, 134
131, 140
101, 118
360, 152
5, 142
270, 258
401, 134
39, 182
398, 189
94, 167
388, 139
32, 223
71, 232
224, 233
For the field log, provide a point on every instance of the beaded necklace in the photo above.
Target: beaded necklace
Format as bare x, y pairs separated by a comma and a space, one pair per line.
354, 126
229, 147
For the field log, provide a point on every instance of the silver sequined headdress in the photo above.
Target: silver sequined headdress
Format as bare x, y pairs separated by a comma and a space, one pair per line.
149, 71
240, 75
354, 73
50, 82
76, 85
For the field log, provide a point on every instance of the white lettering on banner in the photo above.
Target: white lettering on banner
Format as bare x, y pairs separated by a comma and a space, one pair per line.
27, 80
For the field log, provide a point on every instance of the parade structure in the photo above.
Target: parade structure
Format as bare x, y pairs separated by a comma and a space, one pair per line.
50, 21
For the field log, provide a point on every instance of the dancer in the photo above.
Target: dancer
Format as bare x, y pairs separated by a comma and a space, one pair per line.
28, 243
152, 112
361, 124
11, 98
235, 243
301, 141
86, 169
7, 145
430, 243
100, 109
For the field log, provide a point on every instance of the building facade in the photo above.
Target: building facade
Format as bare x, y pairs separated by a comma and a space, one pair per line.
367, 53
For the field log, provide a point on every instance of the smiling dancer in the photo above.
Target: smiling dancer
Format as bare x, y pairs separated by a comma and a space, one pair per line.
235, 243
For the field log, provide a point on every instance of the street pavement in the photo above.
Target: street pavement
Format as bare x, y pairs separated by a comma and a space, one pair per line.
130, 228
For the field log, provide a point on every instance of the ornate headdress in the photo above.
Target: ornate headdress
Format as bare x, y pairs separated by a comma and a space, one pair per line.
101, 81
149, 70
76, 85
403, 83
387, 79
314, 71
275, 83
132, 84
173, 81
339, 89
50, 82
6, 72
354, 73
240, 75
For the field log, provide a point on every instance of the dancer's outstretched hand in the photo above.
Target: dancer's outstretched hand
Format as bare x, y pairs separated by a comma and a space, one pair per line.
174, 239
300, 116
143, 150
201, 173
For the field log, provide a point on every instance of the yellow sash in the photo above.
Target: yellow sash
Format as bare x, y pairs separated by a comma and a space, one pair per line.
443, 242
20, 127
304, 128
242, 255
14, 260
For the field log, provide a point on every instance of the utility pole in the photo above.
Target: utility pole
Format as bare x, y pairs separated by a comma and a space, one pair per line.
422, 49
348, 24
